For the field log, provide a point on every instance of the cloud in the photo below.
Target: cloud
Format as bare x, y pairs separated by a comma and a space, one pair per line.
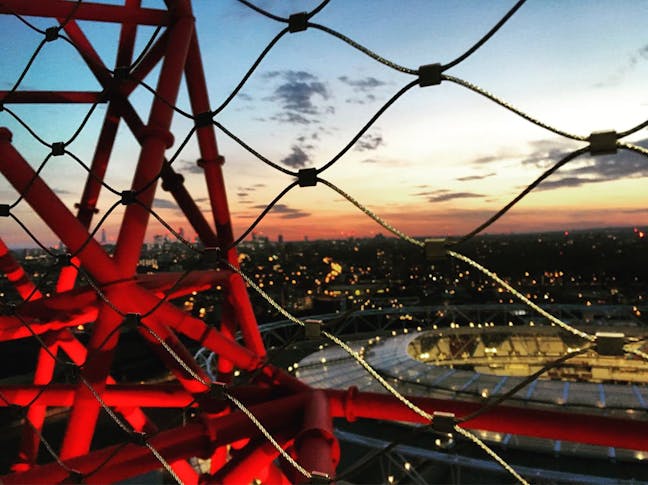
627, 66
290, 118
284, 211
290, 75
475, 177
164, 204
297, 159
486, 159
363, 88
369, 142
547, 152
188, 166
588, 170
296, 94
62, 191
444, 195
364, 84
245, 97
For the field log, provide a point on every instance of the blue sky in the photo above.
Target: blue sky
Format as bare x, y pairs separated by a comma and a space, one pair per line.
439, 161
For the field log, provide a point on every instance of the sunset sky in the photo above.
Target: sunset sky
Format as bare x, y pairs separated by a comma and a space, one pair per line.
440, 161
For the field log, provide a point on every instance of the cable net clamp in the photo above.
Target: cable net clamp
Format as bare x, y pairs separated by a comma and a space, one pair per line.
603, 142
298, 22
211, 257
173, 182
4, 210
121, 73
203, 119
307, 177
58, 149
51, 33
75, 476
10, 309
435, 249
443, 422
86, 207
127, 197
312, 329
430, 74
319, 477
217, 391
610, 343
132, 321
140, 439
63, 259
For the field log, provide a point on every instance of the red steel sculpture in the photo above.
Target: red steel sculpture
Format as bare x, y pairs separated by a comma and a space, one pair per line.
298, 416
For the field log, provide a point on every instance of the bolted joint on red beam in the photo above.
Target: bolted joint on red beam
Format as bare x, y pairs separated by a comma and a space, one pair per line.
219, 160
159, 133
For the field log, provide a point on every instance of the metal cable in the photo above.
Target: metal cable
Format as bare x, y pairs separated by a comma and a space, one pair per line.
363, 49
467, 434
568, 158
512, 108
496, 400
486, 37
373, 215
268, 436
335, 340
520, 296
368, 125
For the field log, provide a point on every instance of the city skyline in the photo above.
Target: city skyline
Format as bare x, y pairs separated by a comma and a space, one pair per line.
438, 162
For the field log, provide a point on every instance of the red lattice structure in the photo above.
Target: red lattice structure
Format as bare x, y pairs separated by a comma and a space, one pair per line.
113, 295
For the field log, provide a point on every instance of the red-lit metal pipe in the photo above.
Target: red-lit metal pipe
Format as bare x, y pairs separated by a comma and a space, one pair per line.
317, 448
106, 139
85, 410
47, 97
135, 221
55, 214
86, 11
69, 344
194, 439
30, 440
115, 395
16, 274
211, 162
540, 423
248, 463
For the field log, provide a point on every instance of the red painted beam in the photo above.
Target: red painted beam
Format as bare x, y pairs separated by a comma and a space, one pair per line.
540, 423
194, 439
62, 395
52, 97
85, 11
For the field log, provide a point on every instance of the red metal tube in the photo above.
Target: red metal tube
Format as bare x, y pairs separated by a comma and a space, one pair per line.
541, 423
85, 411
55, 214
133, 228
195, 439
106, 139
249, 463
207, 336
316, 446
69, 344
211, 163
35, 417
57, 97
115, 395
86, 11
16, 274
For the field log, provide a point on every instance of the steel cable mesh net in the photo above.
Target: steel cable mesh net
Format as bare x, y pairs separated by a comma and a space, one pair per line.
83, 284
